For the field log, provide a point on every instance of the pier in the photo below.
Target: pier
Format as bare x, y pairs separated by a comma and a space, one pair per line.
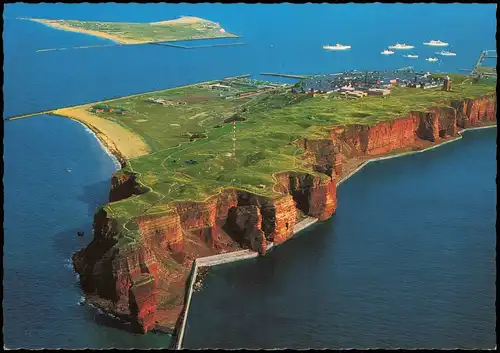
236, 77
300, 77
80, 47
196, 46
28, 115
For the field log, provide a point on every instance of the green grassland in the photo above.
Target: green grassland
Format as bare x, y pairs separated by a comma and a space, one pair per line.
267, 126
147, 32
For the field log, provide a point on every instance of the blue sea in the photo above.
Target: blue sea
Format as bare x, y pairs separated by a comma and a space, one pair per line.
408, 261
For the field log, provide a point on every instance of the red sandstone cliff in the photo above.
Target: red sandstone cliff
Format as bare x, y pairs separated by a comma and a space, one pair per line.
137, 281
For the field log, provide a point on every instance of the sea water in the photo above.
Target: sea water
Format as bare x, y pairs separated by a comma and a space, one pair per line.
56, 173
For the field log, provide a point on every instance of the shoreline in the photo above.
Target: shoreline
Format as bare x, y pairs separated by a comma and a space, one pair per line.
120, 141
377, 159
113, 38
111, 155
302, 225
102, 35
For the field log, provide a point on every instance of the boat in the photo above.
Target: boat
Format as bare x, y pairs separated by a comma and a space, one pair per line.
401, 46
412, 56
387, 52
446, 53
336, 47
432, 59
436, 43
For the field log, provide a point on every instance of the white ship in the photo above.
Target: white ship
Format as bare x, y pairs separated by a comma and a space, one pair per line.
446, 53
436, 43
336, 47
401, 46
411, 56
387, 52
432, 59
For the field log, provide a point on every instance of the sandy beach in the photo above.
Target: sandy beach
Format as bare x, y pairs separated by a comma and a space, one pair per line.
120, 141
57, 25
181, 20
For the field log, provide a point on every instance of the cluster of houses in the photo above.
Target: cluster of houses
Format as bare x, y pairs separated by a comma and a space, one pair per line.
104, 108
360, 84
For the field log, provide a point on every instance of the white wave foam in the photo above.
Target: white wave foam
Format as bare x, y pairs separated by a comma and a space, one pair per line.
81, 301
108, 152
69, 263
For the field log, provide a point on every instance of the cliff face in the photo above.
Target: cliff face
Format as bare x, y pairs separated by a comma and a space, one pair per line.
356, 140
165, 232
134, 279
124, 185
472, 112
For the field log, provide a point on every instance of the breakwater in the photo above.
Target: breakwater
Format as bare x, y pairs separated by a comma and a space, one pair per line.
220, 259
196, 46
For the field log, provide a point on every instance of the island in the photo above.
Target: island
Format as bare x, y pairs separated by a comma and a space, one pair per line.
183, 28
236, 163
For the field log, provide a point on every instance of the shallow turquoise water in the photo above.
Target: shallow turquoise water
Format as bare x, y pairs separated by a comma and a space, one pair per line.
45, 204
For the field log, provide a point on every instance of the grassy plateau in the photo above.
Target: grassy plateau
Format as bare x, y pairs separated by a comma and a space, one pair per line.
190, 137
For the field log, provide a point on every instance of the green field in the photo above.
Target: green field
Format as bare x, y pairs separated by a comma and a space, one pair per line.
165, 31
191, 126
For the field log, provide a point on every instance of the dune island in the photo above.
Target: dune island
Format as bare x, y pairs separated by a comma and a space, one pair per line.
234, 164
183, 28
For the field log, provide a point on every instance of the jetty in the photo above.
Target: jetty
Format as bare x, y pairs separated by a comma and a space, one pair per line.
29, 114
485, 54
196, 46
300, 77
80, 47
236, 77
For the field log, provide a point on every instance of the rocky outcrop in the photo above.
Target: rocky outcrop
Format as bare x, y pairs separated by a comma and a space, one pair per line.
314, 195
447, 119
284, 218
143, 296
245, 223
124, 185
473, 112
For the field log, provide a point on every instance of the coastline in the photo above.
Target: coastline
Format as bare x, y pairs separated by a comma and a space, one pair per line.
123, 143
302, 225
108, 151
115, 39
459, 137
